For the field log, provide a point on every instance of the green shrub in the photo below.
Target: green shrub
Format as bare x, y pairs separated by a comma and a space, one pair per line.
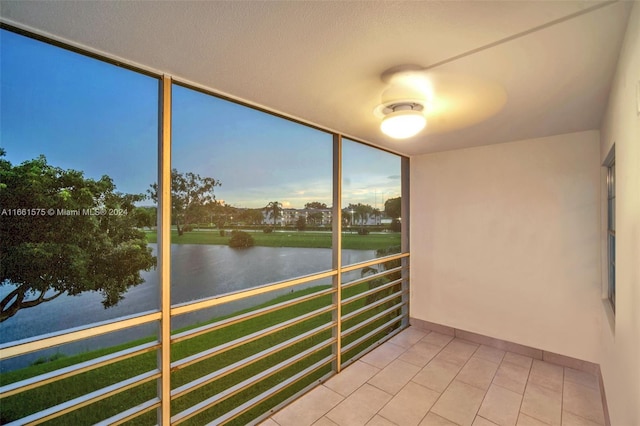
267, 229
241, 239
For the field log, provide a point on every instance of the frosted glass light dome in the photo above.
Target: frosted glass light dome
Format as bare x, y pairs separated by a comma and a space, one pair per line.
404, 123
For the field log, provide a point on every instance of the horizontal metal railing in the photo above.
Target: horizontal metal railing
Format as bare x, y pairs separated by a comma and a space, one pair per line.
349, 331
248, 315
370, 292
200, 356
227, 393
347, 348
83, 367
376, 261
269, 393
188, 307
372, 276
366, 308
131, 413
49, 340
245, 362
84, 400
37, 343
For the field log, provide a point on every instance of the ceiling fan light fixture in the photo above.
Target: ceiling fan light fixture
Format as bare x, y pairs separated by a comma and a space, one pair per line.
403, 121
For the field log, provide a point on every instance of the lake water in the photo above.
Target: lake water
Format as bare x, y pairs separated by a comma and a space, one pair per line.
197, 271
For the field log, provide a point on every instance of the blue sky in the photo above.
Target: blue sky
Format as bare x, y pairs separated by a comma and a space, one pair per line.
87, 115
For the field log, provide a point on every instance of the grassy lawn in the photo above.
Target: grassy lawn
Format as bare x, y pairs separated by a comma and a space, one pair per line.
34, 400
288, 239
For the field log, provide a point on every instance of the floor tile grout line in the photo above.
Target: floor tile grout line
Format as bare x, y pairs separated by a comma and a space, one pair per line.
562, 403
453, 380
478, 415
523, 393
382, 390
441, 393
486, 391
410, 380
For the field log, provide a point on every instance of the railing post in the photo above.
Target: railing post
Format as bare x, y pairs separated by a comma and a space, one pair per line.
337, 250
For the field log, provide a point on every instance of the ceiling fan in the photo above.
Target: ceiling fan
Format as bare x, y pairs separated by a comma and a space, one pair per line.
447, 101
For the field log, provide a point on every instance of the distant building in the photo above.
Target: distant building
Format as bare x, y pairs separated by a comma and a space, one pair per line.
318, 217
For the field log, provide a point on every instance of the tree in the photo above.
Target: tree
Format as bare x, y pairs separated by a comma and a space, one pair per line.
191, 196
220, 214
315, 218
301, 223
393, 208
315, 205
376, 214
273, 209
145, 217
250, 216
63, 233
359, 212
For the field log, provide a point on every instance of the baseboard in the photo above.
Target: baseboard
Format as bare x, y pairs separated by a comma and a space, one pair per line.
554, 358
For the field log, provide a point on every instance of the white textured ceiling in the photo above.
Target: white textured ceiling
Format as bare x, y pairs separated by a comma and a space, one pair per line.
322, 62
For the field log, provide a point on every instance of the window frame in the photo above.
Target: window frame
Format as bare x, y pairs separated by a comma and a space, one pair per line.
162, 316
610, 281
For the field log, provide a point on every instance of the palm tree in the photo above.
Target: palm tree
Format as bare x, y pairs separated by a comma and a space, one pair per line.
273, 209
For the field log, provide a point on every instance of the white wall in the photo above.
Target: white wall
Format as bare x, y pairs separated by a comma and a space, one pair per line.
505, 241
621, 343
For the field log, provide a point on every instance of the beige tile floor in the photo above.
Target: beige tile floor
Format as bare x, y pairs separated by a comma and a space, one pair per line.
422, 378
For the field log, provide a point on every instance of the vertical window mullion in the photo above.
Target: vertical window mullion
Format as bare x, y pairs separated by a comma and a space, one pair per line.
405, 245
164, 250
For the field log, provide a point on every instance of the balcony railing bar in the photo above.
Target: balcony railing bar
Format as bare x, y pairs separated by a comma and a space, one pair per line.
368, 321
273, 391
195, 384
84, 400
372, 333
369, 277
373, 346
187, 307
64, 373
375, 261
239, 318
371, 291
131, 413
200, 356
44, 341
370, 306
233, 390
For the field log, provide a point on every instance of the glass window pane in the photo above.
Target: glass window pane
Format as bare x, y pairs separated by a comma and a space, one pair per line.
251, 199
371, 190
613, 180
611, 216
79, 138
